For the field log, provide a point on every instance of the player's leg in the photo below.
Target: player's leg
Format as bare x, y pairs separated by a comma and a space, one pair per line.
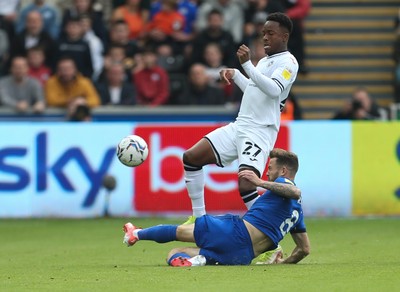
193, 161
217, 147
253, 150
159, 233
247, 190
186, 257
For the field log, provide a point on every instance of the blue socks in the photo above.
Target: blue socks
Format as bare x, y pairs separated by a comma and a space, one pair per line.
160, 233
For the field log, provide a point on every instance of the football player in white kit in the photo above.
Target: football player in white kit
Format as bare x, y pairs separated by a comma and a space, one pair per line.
252, 136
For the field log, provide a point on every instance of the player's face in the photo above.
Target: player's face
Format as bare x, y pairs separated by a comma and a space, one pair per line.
274, 38
274, 170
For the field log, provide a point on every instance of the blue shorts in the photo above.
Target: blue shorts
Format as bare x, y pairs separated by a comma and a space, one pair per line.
223, 240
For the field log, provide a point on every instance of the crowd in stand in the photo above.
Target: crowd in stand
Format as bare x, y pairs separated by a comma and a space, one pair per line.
81, 54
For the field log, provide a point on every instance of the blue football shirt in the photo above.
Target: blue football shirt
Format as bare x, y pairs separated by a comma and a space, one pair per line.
275, 216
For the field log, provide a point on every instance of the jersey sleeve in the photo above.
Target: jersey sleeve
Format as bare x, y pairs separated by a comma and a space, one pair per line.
264, 83
300, 226
240, 80
285, 74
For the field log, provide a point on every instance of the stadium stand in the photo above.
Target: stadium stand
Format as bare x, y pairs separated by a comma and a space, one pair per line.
348, 44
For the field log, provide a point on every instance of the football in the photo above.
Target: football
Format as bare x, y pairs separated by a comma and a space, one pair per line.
132, 150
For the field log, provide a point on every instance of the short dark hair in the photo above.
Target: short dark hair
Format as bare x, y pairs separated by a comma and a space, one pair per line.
282, 19
65, 58
286, 158
36, 48
214, 11
118, 22
74, 19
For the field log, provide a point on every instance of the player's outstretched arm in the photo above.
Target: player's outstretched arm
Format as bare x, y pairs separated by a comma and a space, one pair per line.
301, 250
228, 74
285, 190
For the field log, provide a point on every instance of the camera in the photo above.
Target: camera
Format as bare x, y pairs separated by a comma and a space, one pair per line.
356, 104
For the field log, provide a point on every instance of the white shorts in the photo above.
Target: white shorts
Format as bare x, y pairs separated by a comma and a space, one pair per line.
251, 146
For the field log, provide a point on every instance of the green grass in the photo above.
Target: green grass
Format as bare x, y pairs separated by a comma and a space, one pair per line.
88, 255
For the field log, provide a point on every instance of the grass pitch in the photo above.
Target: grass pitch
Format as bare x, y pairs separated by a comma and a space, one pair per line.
88, 255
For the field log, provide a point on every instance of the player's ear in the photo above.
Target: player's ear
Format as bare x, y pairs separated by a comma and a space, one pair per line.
285, 37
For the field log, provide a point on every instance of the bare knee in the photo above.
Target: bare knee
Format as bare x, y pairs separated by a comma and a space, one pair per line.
189, 157
245, 185
185, 233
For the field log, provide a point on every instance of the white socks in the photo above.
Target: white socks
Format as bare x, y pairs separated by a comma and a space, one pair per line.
249, 198
195, 185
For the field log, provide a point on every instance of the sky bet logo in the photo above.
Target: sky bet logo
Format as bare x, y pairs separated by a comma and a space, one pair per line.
13, 164
159, 184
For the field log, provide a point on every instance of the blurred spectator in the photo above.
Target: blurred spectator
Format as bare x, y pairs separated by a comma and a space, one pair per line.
79, 111
359, 107
49, 16
75, 47
256, 15
134, 16
4, 48
105, 7
232, 17
396, 56
298, 10
37, 67
144, 4
116, 55
116, 90
199, 91
34, 35
8, 16
188, 9
95, 45
119, 36
170, 61
81, 7
214, 33
292, 110
67, 85
151, 82
166, 27
20, 91
213, 63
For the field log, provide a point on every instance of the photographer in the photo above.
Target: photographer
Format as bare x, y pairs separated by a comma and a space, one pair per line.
359, 107
79, 111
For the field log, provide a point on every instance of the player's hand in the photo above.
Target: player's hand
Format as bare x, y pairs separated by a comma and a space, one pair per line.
250, 176
243, 54
226, 75
279, 259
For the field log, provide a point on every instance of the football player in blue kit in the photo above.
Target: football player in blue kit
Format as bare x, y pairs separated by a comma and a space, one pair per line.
231, 240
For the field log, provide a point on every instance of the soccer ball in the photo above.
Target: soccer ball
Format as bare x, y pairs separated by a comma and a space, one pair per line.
132, 150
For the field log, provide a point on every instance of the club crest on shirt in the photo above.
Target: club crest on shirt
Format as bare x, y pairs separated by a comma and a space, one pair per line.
286, 73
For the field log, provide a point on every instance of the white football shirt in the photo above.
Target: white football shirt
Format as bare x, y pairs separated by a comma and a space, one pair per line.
266, 90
